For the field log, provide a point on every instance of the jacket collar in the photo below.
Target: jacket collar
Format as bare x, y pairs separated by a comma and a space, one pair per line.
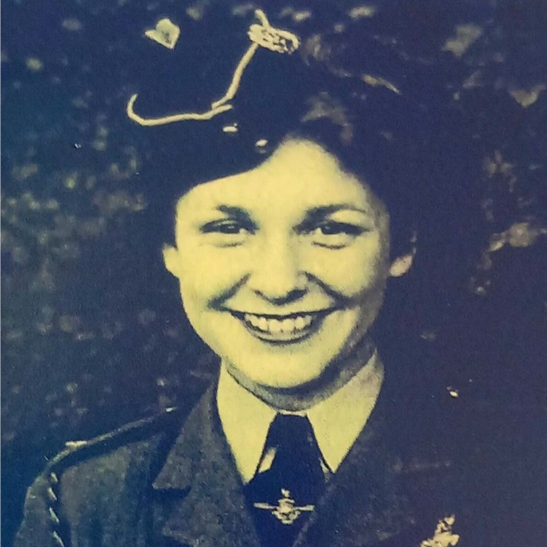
200, 487
365, 502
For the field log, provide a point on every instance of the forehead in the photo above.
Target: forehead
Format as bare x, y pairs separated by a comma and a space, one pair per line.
299, 174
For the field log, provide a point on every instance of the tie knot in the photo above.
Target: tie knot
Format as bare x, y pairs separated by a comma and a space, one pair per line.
289, 430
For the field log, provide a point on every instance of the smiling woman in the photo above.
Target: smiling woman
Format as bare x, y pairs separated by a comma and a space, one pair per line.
264, 259
284, 234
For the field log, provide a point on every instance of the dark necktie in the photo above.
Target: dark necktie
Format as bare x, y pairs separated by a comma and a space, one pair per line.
282, 497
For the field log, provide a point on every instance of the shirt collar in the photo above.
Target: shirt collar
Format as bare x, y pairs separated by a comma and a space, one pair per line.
336, 421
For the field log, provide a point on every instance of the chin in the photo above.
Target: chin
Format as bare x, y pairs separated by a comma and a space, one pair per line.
283, 374
289, 381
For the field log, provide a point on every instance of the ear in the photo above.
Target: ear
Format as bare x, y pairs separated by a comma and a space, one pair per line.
402, 264
171, 259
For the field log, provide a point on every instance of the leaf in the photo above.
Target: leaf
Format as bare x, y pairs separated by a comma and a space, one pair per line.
376, 81
465, 37
527, 98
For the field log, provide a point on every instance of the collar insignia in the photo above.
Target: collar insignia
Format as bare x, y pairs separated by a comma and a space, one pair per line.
285, 511
443, 536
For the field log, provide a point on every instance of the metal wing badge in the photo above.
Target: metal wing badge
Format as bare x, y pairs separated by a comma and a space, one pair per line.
286, 510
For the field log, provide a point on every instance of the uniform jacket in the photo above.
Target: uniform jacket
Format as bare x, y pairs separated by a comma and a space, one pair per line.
171, 481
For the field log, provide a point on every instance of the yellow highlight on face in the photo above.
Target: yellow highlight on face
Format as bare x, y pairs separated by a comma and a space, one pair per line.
282, 269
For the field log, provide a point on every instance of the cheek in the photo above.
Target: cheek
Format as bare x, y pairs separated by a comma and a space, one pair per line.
351, 271
205, 272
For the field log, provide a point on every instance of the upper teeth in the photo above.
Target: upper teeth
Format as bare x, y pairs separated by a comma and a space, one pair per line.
275, 326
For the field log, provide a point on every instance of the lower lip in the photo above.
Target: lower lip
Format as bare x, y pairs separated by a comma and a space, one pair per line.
282, 338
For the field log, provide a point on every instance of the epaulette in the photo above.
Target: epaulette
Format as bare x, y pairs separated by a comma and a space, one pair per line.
167, 424
78, 451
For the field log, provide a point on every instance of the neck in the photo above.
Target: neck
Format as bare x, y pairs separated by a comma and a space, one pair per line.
301, 398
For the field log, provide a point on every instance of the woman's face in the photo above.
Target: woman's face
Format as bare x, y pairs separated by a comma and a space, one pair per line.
282, 269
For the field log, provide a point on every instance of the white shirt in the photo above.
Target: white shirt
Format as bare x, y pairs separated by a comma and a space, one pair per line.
336, 421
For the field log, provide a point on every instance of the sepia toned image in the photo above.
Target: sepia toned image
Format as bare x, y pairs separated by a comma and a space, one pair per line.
273, 273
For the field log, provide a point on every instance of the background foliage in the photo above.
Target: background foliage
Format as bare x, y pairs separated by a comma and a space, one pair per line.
92, 332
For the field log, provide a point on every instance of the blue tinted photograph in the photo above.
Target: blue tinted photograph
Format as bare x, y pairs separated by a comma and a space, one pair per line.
274, 273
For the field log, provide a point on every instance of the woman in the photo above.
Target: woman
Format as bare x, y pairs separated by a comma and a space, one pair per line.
283, 241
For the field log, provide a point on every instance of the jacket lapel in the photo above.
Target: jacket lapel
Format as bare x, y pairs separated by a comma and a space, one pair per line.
365, 502
198, 493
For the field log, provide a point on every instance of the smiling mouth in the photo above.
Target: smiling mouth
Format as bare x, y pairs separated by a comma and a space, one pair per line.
282, 328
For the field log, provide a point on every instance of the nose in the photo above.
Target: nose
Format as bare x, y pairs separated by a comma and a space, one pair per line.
277, 274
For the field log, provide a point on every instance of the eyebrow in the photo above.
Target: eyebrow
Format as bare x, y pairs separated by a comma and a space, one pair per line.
321, 211
236, 212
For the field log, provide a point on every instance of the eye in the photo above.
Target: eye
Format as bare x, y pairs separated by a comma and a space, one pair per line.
227, 233
335, 235
228, 227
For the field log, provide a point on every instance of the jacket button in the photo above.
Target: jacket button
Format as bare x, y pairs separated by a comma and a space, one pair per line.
53, 516
57, 538
51, 494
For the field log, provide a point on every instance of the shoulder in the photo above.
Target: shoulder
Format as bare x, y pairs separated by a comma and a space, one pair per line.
136, 444
426, 432
96, 479
110, 463
121, 444
104, 480
425, 422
